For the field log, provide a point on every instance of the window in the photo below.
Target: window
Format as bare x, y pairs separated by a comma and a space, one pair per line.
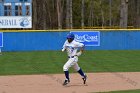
27, 10
7, 10
1, 1
23, 0
18, 10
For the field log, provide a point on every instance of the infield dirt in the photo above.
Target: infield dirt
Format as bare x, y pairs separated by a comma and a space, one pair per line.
52, 83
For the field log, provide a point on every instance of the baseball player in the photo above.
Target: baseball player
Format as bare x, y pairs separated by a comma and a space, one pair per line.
74, 49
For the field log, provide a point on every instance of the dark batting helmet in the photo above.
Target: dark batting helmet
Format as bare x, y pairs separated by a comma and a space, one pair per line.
70, 36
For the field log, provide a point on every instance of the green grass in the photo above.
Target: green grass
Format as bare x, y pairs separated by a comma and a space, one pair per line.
125, 91
41, 62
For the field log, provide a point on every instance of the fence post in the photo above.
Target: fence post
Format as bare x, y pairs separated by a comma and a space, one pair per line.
0, 51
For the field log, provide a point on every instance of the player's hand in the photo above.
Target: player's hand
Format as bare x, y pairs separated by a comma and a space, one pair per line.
79, 53
63, 50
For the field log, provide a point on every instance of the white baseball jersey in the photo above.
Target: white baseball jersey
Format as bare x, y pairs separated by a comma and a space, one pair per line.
72, 47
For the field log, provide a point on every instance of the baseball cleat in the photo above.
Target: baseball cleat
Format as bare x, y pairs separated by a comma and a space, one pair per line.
66, 82
84, 79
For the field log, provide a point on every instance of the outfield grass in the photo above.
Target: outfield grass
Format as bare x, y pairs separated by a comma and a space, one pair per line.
126, 91
42, 62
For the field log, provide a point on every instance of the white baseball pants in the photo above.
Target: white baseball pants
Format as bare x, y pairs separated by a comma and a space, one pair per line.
72, 62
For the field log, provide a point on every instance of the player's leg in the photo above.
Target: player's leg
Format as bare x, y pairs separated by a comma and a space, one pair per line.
66, 67
79, 70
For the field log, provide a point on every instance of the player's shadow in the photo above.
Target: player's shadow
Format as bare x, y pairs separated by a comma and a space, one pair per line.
76, 85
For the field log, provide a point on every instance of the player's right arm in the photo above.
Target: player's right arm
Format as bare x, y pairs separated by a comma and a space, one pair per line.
64, 47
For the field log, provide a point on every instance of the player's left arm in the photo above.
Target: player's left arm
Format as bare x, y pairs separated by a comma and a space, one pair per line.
81, 49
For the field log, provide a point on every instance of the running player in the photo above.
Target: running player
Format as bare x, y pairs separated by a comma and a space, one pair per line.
74, 49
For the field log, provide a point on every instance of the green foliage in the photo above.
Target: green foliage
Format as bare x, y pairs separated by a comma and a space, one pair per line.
95, 7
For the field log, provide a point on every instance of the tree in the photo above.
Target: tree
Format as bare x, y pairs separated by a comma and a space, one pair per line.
91, 14
137, 23
59, 14
110, 12
34, 15
82, 13
67, 14
124, 14
53, 14
71, 16
102, 13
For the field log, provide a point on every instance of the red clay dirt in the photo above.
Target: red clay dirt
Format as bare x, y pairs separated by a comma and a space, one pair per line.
52, 83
